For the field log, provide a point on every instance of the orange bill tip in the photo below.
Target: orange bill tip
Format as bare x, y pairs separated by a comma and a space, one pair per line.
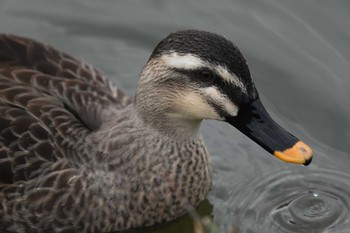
300, 153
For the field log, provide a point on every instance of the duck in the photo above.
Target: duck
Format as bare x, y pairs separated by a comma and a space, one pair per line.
77, 154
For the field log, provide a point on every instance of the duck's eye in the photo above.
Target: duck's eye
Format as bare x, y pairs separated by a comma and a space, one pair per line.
206, 76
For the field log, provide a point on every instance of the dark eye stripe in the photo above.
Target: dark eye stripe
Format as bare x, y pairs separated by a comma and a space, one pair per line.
196, 77
233, 92
218, 108
206, 76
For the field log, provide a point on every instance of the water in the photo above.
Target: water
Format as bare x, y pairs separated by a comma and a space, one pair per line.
284, 201
299, 56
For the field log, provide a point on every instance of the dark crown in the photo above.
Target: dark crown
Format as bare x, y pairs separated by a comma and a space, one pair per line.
210, 47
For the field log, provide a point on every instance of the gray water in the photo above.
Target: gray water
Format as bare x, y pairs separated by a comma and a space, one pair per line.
299, 56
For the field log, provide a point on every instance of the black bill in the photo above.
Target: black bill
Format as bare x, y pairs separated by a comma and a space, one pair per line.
254, 121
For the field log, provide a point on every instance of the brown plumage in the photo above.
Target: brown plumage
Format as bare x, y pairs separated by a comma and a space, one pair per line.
79, 155
56, 175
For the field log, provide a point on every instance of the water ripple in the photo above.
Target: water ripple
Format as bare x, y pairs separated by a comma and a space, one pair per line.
287, 202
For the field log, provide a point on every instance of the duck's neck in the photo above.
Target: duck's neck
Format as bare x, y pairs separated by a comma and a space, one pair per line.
170, 126
161, 118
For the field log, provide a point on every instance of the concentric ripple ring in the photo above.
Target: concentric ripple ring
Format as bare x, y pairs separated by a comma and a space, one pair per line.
318, 201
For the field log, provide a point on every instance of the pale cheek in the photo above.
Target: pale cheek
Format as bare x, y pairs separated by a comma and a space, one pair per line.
193, 106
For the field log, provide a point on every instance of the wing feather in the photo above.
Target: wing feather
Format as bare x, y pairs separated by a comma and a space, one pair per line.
49, 102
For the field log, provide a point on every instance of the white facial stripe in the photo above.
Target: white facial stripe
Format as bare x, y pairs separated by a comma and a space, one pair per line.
186, 61
192, 62
221, 100
229, 77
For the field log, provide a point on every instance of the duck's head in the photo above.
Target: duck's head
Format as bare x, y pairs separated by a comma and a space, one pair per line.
194, 75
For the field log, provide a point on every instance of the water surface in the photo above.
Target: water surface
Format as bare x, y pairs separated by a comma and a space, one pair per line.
299, 56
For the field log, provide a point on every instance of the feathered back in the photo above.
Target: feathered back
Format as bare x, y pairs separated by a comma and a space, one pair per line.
49, 102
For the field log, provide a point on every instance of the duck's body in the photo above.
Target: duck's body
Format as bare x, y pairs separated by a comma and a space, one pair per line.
78, 155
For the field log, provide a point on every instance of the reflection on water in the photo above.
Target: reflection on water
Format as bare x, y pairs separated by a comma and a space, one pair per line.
299, 58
